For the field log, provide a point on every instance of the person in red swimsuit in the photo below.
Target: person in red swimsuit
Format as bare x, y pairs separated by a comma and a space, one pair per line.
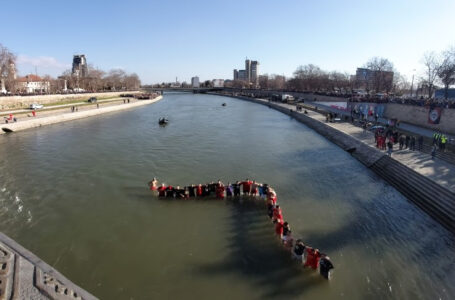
199, 190
246, 185
254, 188
277, 214
220, 190
279, 228
153, 184
313, 257
162, 190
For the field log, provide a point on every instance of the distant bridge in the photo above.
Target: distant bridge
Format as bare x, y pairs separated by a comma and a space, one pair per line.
180, 89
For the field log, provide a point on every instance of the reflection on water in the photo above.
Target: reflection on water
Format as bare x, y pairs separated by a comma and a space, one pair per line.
75, 194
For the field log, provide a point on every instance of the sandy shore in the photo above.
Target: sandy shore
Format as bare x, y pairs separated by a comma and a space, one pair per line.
68, 116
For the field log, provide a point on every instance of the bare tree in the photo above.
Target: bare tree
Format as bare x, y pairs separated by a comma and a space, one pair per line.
446, 71
431, 64
264, 81
277, 82
383, 74
7, 69
400, 84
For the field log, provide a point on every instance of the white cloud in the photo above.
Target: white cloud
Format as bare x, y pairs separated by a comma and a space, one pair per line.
41, 61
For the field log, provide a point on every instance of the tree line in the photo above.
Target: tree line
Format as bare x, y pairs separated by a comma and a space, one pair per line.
97, 80
438, 70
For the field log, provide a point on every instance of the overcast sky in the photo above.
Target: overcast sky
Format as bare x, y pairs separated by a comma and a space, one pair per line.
161, 40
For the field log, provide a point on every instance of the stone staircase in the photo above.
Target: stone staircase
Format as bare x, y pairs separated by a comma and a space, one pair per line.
447, 156
432, 198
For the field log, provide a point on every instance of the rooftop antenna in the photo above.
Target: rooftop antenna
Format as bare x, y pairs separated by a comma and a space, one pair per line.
36, 70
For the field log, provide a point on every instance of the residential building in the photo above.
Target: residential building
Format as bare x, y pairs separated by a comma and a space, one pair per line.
33, 84
379, 81
195, 82
80, 68
218, 82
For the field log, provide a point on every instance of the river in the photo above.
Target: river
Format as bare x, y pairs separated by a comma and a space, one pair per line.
75, 194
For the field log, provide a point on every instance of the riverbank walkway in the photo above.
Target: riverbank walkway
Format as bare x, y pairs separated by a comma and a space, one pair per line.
439, 171
67, 114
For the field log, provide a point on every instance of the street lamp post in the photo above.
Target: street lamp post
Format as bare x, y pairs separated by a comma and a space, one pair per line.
412, 81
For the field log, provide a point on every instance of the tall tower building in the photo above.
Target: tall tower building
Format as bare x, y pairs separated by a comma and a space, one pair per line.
248, 70
254, 73
80, 68
236, 74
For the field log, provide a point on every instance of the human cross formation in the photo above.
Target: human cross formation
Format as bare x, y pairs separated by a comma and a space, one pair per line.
303, 254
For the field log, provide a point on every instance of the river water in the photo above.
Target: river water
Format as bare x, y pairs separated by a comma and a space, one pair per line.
75, 194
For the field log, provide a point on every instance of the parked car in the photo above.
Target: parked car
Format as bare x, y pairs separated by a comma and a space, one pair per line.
91, 100
36, 106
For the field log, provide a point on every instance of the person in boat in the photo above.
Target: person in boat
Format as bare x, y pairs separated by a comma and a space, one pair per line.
153, 185
299, 251
220, 190
170, 192
279, 228
325, 265
229, 190
199, 190
312, 259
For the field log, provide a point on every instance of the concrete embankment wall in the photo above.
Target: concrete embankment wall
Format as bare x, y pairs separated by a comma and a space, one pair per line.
23, 275
12, 127
418, 115
11, 102
435, 200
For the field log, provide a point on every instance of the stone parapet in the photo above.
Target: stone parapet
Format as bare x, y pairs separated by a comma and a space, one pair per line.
23, 275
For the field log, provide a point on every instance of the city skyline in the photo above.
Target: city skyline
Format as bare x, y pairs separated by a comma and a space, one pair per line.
160, 41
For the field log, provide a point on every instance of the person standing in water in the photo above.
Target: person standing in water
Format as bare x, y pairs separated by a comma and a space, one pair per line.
325, 265
229, 190
153, 184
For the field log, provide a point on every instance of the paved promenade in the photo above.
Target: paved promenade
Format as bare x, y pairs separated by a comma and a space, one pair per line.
437, 170
63, 115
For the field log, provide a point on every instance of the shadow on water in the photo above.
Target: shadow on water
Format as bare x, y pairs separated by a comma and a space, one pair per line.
256, 254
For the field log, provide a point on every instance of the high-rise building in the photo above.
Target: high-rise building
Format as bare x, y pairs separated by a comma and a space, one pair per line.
248, 70
195, 82
236, 74
250, 74
254, 73
80, 68
242, 75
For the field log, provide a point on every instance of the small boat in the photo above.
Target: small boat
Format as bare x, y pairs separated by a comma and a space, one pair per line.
224, 104
163, 121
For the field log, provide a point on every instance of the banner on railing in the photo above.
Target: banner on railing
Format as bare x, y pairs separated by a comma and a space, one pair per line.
434, 115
